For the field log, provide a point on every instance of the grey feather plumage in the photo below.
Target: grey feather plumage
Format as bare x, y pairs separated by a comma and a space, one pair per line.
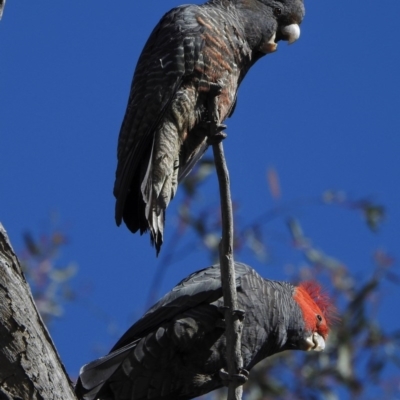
165, 128
175, 351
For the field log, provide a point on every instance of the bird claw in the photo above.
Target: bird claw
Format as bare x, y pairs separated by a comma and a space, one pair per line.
241, 378
215, 89
244, 373
218, 136
239, 313
220, 128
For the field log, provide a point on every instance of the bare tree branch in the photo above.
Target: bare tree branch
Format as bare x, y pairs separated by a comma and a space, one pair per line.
228, 280
30, 365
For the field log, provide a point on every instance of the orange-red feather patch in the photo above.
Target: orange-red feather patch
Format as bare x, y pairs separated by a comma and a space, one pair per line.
314, 301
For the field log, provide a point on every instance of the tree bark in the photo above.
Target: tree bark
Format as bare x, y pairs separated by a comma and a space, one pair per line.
30, 367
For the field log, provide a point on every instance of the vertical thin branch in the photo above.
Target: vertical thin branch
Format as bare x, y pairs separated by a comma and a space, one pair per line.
228, 279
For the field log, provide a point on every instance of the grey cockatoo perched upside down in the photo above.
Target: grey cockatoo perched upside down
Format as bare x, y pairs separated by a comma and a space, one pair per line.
195, 55
177, 349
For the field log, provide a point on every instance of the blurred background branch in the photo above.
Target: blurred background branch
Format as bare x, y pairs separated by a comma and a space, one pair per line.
50, 280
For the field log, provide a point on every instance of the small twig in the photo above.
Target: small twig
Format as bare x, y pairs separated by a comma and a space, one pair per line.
228, 278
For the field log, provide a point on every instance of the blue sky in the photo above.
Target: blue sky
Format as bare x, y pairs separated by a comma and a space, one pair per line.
324, 112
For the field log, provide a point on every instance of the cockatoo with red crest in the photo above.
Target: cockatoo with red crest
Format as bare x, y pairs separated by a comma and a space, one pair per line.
178, 348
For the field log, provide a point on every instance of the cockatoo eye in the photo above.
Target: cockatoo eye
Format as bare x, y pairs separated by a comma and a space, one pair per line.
277, 11
319, 318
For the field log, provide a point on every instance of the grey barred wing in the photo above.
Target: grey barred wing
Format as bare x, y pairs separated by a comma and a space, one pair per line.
203, 286
169, 55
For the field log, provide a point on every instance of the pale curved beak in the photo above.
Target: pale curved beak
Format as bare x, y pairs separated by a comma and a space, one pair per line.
291, 33
315, 342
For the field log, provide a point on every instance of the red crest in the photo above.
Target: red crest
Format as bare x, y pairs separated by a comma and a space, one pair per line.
314, 301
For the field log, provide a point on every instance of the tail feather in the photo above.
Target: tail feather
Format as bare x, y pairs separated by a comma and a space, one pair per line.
94, 375
143, 211
134, 210
156, 220
154, 212
153, 176
160, 181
